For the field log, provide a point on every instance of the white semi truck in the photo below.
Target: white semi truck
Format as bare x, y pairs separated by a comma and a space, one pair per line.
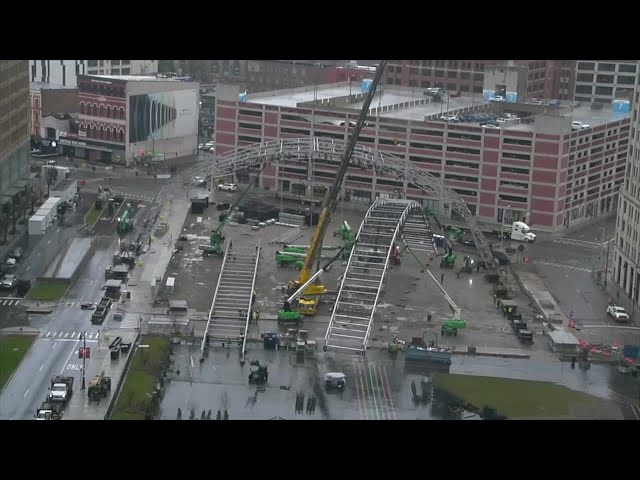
520, 231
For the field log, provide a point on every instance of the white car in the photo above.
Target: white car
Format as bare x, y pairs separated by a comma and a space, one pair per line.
497, 98
488, 125
502, 120
618, 313
449, 118
579, 126
228, 187
201, 146
535, 102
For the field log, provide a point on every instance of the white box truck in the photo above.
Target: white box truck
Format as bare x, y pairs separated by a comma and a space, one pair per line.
37, 225
521, 232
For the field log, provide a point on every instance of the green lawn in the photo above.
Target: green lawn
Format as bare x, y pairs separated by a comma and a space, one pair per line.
93, 215
47, 291
135, 398
512, 398
12, 349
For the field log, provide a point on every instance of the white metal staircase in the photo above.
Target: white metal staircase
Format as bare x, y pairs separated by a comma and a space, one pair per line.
231, 307
417, 235
352, 315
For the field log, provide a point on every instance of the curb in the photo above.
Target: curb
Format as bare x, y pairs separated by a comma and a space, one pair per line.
20, 364
125, 372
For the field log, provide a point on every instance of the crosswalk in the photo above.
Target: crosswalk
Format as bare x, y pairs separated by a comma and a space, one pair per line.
608, 330
582, 243
69, 335
148, 198
129, 321
10, 302
561, 265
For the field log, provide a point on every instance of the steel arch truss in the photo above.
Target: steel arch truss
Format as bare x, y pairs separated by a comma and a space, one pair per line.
362, 281
329, 151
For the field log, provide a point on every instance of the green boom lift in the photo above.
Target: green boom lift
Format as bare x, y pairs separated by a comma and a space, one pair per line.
217, 239
125, 221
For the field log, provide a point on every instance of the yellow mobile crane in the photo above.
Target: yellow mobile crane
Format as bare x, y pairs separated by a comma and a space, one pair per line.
306, 287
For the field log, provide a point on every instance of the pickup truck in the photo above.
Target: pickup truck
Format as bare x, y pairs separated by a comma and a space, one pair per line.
61, 389
521, 331
618, 313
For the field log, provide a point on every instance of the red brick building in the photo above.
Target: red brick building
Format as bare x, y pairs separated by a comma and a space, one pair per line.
467, 76
535, 167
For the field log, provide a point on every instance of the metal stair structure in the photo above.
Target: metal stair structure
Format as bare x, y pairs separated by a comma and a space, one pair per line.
418, 237
230, 312
362, 281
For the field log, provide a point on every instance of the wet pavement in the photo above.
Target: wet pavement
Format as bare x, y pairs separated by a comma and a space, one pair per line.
378, 386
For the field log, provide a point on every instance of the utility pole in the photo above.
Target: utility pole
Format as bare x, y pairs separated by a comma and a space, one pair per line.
606, 266
84, 358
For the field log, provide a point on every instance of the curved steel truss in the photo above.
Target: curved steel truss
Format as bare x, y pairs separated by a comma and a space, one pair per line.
329, 151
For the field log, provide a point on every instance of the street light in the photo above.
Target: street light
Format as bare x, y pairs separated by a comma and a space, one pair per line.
84, 357
504, 211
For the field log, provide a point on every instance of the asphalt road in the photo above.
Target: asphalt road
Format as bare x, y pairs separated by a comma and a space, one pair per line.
55, 352
568, 269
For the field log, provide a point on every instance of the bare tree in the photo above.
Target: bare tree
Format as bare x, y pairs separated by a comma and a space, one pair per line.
4, 225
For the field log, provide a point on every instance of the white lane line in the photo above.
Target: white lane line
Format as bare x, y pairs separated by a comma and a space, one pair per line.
49, 242
64, 367
25, 394
54, 345
38, 254
560, 265
28, 268
66, 335
73, 335
41, 367
71, 340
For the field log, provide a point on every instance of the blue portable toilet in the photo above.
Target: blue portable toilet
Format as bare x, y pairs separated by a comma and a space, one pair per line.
366, 85
243, 97
621, 106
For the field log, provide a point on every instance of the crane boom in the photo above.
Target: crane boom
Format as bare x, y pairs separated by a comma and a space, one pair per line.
330, 201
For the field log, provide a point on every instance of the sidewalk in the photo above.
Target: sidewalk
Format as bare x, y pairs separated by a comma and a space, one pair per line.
154, 262
79, 407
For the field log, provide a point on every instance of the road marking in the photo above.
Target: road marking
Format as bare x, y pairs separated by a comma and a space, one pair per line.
54, 345
4, 303
56, 340
49, 242
38, 254
69, 357
610, 326
28, 268
25, 394
560, 265
73, 334
41, 367
386, 381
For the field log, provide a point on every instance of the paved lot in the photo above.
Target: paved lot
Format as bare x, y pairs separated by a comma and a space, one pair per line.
408, 297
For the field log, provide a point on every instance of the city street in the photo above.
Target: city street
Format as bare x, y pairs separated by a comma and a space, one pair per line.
568, 269
55, 351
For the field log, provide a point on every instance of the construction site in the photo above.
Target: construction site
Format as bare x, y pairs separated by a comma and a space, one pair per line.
348, 308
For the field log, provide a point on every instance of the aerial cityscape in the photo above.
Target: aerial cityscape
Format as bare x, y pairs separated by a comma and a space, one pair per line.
319, 239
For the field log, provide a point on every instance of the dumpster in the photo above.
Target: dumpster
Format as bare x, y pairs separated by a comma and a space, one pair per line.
115, 353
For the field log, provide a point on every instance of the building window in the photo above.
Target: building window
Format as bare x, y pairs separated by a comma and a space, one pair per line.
604, 90
627, 68
604, 79
92, 63
584, 77
426, 84
126, 71
607, 67
586, 66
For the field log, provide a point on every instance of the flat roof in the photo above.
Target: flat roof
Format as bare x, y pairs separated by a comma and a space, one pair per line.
290, 98
564, 338
421, 111
50, 86
593, 118
136, 78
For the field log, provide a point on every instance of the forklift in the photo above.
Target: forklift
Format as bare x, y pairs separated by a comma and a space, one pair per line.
259, 373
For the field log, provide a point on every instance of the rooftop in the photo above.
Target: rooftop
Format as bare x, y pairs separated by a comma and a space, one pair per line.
421, 111
50, 86
136, 78
292, 97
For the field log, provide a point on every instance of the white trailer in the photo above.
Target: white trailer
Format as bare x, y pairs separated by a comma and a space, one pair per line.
521, 232
37, 225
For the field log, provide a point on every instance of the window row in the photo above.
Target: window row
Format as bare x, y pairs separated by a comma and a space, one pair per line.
102, 89
101, 110
110, 134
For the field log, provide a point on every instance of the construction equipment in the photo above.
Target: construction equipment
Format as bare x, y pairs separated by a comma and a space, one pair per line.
259, 373
313, 292
101, 311
217, 239
284, 260
451, 327
335, 380
348, 239
125, 221
306, 305
99, 387
468, 265
60, 390
454, 234
448, 261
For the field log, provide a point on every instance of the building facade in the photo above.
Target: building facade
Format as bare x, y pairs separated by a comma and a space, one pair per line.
66, 72
14, 128
604, 81
540, 170
466, 77
626, 260
123, 117
47, 99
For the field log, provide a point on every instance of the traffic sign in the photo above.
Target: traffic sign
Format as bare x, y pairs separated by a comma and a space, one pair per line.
84, 352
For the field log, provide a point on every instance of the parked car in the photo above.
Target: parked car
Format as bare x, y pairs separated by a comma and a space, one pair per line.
17, 253
497, 98
88, 306
449, 118
228, 187
8, 282
579, 126
201, 146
